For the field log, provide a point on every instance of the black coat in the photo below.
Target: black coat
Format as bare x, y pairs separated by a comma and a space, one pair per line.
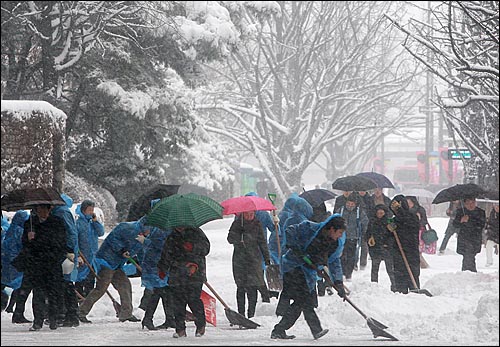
382, 236
248, 255
175, 257
492, 226
470, 234
408, 227
41, 258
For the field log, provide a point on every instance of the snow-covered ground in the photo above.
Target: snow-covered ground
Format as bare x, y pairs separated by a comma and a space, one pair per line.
464, 309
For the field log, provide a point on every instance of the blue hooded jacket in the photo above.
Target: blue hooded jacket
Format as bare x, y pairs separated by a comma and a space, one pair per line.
65, 214
300, 236
119, 240
11, 247
88, 240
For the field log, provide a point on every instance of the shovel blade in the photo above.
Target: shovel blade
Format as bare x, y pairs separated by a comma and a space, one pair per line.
237, 319
421, 291
273, 277
377, 331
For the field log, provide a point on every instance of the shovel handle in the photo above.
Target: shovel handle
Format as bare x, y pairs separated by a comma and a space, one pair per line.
405, 260
216, 295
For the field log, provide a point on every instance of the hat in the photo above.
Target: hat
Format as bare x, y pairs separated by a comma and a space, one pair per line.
85, 204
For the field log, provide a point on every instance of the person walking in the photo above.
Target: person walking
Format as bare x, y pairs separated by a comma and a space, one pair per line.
11, 277
492, 235
309, 246
184, 259
470, 221
150, 279
421, 213
44, 250
89, 230
250, 246
122, 243
68, 315
406, 225
380, 244
451, 212
357, 224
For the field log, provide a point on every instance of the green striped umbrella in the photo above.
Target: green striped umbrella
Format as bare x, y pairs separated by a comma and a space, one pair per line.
189, 210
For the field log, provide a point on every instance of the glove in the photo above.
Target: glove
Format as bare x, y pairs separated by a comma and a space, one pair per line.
141, 238
188, 246
192, 268
309, 263
339, 286
276, 220
395, 205
371, 241
268, 262
125, 254
70, 256
162, 274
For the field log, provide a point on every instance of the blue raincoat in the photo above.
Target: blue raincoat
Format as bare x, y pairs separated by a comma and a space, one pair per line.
11, 246
88, 240
300, 236
119, 240
286, 212
5, 226
65, 214
153, 246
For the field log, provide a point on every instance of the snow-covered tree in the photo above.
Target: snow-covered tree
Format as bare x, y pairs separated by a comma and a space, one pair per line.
311, 74
459, 45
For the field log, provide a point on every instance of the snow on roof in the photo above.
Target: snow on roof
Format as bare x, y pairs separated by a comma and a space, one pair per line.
25, 108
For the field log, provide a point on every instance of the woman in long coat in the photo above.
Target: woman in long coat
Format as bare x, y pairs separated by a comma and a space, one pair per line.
250, 246
406, 227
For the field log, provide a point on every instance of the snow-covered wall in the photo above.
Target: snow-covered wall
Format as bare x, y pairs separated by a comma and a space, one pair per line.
32, 145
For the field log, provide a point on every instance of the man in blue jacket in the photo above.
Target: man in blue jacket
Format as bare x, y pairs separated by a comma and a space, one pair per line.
123, 242
309, 246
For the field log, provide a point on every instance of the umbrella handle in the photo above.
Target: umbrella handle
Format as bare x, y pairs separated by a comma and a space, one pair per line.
271, 198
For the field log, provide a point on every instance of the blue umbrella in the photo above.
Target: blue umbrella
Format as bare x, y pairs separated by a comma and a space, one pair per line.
380, 180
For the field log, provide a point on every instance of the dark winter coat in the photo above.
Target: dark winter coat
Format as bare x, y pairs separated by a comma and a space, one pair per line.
470, 234
177, 254
250, 247
42, 257
420, 211
377, 229
407, 229
320, 213
492, 226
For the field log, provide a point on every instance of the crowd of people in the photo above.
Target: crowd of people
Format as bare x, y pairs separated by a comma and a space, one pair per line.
305, 240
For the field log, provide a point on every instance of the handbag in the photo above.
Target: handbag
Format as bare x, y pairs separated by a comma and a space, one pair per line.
429, 236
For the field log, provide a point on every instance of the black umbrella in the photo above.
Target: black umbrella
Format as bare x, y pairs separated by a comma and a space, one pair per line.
459, 192
316, 197
143, 204
26, 198
353, 183
380, 180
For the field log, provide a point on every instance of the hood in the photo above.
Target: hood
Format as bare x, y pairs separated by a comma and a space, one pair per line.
402, 200
20, 217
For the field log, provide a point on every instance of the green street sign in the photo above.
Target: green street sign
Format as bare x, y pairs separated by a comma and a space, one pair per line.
459, 153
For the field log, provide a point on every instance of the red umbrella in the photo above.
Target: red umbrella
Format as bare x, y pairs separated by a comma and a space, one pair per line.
246, 203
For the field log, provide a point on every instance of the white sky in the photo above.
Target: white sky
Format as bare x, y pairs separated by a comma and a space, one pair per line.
463, 311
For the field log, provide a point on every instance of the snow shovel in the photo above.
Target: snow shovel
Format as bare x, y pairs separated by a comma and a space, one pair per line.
417, 289
375, 326
116, 304
273, 271
232, 316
